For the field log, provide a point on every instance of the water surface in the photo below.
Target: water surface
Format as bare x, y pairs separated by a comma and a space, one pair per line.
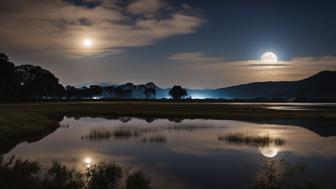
188, 153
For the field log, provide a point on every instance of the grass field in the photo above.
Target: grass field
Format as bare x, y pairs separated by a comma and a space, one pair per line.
31, 121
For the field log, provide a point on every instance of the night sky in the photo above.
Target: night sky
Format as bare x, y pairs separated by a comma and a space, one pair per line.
194, 43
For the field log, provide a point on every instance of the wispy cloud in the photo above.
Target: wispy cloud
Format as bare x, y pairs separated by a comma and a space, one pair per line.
195, 57
146, 7
266, 65
59, 26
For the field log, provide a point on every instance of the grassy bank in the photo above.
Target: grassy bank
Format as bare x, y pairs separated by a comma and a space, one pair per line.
31, 121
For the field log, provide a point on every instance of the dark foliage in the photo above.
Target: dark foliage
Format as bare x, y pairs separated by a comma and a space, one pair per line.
130, 91
279, 174
36, 83
83, 93
104, 176
177, 92
59, 176
138, 180
7, 78
26, 82
16, 174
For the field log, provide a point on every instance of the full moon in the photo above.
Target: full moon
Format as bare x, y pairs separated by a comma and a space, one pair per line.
269, 58
269, 152
87, 43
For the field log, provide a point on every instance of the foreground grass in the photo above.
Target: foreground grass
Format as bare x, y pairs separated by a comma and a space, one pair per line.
17, 174
31, 121
275, 173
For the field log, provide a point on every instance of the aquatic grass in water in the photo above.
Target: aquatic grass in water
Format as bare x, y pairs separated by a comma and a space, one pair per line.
127, 132
105, 134
98, 134
264, 140
122, 132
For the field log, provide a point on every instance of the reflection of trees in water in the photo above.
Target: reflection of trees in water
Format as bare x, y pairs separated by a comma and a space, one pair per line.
279, 174
125, 119
176, 120
149, 119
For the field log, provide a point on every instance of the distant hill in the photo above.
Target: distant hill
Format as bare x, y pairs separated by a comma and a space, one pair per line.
319, 86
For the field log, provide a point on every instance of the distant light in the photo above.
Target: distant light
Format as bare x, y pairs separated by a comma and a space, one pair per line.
87, 42
197, 96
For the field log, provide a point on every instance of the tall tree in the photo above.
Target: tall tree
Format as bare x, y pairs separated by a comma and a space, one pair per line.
36, 83
7, 78
177, 92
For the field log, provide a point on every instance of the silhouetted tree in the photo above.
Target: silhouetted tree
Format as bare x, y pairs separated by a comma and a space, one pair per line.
3, 56
7, 78
36, 83
150, 90
177, 92
138, 180
26, 82
95, 90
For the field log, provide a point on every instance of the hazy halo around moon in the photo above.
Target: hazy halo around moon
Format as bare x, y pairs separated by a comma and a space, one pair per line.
87, 43
269, 58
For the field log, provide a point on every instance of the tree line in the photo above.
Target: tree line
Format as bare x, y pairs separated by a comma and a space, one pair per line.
27, 83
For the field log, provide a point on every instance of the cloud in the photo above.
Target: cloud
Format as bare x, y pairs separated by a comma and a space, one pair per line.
195, 57
266, 65
146, 6
198, 70
59, 26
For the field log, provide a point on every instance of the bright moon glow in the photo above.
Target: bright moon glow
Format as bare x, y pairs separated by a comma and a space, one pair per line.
269, 58
269, 152
88, 162
87, 42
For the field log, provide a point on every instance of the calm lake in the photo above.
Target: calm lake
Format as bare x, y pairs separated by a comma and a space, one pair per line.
194, 153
